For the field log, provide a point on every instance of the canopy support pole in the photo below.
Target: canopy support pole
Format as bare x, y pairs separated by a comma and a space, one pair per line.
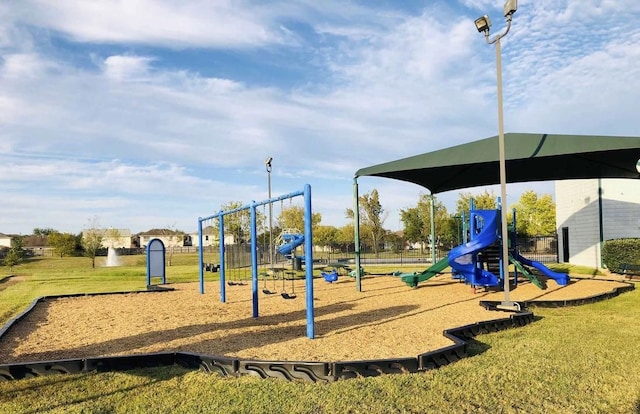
356, 231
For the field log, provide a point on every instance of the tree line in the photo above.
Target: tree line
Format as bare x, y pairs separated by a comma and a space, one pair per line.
87, 243
535, 216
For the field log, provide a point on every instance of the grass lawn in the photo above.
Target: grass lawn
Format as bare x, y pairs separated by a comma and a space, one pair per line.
572, 360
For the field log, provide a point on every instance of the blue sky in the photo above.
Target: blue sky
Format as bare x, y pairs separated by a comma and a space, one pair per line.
145, 114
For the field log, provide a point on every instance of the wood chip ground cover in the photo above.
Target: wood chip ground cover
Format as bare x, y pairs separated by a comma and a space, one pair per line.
386, 320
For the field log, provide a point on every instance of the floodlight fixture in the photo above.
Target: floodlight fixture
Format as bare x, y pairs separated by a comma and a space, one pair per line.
267, 162
483, 24
510, 7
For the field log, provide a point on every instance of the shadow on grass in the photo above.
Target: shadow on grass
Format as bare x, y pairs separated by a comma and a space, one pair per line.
51, 383
475, 347
8, 281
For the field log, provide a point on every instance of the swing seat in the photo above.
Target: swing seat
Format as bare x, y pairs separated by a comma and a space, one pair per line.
286, 295
330, 277
268, 292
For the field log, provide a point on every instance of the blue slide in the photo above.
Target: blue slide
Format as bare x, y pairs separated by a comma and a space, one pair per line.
461, 257
561, 279
291, 242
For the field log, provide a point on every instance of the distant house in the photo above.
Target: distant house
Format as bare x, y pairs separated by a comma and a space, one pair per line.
209, 237
170, 238
116, 238
5, 240
589, 212
34, 241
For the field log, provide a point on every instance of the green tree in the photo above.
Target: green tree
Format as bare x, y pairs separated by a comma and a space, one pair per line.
372, 218
417, 221
64, 244
345, 238
92, 240
326, 236
535, 215
15, 255
414, 223
483, 201
394, 240
238, 224
43, 232
293, 218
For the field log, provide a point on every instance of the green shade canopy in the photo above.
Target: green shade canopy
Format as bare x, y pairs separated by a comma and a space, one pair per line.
529, 157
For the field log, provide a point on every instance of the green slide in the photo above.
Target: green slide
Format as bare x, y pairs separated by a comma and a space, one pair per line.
525, 272
412, 279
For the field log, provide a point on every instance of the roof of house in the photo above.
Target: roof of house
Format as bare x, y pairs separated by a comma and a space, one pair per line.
160, 232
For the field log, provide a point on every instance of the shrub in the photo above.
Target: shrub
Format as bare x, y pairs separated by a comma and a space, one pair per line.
617, 252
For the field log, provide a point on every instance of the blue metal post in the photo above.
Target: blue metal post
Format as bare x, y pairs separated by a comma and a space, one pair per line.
472, 235
308, 254
200, 256
254, 259
148, 251
223, 292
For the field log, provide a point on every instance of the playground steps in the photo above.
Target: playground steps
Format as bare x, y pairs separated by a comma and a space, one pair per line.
491, 258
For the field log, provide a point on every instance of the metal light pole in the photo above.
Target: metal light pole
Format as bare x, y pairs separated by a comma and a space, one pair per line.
483, 24
267, 163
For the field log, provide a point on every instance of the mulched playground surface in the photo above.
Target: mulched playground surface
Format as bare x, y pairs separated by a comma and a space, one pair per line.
386, 320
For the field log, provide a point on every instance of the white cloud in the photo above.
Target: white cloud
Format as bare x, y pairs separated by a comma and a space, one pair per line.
127, 68
22, 67
171, 23
117, 128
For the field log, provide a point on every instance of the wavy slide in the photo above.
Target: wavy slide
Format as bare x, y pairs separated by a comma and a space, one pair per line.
292, 241
461, 257
561, 279
412, 279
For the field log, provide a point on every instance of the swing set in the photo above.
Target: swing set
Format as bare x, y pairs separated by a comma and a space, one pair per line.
306, 193
273, 271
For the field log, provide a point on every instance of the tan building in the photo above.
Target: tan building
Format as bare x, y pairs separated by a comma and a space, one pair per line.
116, 238
5, 240
209, 237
